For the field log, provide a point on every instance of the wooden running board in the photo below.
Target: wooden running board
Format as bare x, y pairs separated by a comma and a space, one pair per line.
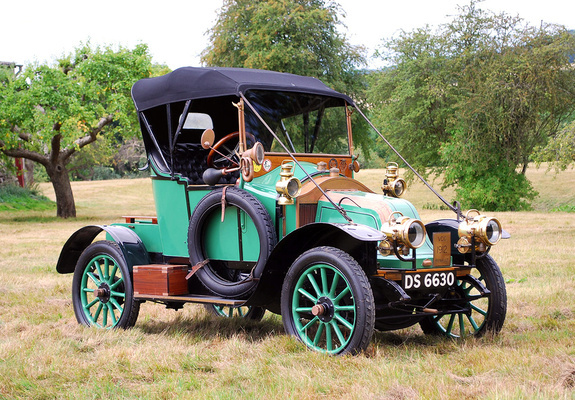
188, 298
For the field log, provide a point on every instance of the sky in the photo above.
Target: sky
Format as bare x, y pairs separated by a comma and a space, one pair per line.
175, 31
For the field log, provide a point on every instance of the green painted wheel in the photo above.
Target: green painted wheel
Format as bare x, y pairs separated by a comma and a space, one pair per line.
247, 312
483, 313
327, 302
102, 290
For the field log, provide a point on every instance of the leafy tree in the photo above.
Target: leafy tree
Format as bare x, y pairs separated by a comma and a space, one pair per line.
50, 112
8, 71
560, 150
295, 36
483, 91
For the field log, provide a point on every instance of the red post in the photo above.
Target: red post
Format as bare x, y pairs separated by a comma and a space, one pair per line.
20, 174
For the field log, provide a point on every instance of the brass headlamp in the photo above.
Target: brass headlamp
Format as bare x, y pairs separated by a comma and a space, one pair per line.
392, 185
486, 231
288, 186
409, 233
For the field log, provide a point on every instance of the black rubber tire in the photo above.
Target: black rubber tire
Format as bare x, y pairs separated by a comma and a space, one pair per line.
242, 285
490, 275
324, 263
253, 313
104, 251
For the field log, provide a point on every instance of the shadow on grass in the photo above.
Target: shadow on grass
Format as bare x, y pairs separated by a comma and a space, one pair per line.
407, 338
438, 344
206, 326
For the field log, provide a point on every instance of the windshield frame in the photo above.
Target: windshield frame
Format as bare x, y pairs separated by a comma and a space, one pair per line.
275, 117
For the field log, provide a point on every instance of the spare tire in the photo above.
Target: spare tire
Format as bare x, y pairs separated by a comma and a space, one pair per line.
216, 275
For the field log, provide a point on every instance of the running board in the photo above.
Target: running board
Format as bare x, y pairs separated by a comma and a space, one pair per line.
186, 298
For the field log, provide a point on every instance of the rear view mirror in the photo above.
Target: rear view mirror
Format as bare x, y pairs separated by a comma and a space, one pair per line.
208, 138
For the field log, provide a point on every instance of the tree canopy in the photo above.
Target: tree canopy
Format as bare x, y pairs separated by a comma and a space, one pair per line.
474, 99
49, 112
297, 36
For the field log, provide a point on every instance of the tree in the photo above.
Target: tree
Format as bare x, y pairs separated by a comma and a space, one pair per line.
50, 112
296, 36
560, 150
484, 91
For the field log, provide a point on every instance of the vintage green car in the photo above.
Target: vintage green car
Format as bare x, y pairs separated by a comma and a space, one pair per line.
258, 209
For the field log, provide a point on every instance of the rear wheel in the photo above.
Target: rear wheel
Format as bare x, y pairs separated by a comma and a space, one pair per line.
483, 313
327, 302
102, 290
246, 312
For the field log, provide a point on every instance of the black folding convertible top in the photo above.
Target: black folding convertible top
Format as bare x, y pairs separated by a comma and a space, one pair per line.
196, 83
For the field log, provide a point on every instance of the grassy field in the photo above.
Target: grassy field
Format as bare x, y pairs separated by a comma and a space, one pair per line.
45, 354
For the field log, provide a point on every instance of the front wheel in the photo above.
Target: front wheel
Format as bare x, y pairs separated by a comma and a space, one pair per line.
102, 290
327, 302
483, 313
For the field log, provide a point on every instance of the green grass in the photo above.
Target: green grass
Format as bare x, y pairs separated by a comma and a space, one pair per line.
569, 208
45, 354
13, 197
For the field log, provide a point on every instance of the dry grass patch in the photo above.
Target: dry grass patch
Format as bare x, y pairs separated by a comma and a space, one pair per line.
44, 353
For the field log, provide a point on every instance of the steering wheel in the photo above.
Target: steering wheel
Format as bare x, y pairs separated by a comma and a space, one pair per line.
227, 157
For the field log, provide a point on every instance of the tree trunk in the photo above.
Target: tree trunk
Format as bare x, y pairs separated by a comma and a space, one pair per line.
29, 172
55, 162
65, 206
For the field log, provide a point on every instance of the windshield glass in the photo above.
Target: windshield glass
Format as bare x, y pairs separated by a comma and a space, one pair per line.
305, 123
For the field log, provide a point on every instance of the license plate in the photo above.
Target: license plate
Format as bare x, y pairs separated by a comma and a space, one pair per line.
428, 280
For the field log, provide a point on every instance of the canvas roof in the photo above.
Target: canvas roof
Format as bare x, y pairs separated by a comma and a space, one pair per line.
196, 83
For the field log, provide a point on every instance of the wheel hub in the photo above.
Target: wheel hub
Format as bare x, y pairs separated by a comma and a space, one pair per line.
323, 309
103, 292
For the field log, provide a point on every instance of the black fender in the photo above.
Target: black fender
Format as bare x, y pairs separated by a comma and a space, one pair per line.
130, 243
359, 241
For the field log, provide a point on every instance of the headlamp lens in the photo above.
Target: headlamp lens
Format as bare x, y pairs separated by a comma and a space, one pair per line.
398, 188
416, 234
493, 231
293, 187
